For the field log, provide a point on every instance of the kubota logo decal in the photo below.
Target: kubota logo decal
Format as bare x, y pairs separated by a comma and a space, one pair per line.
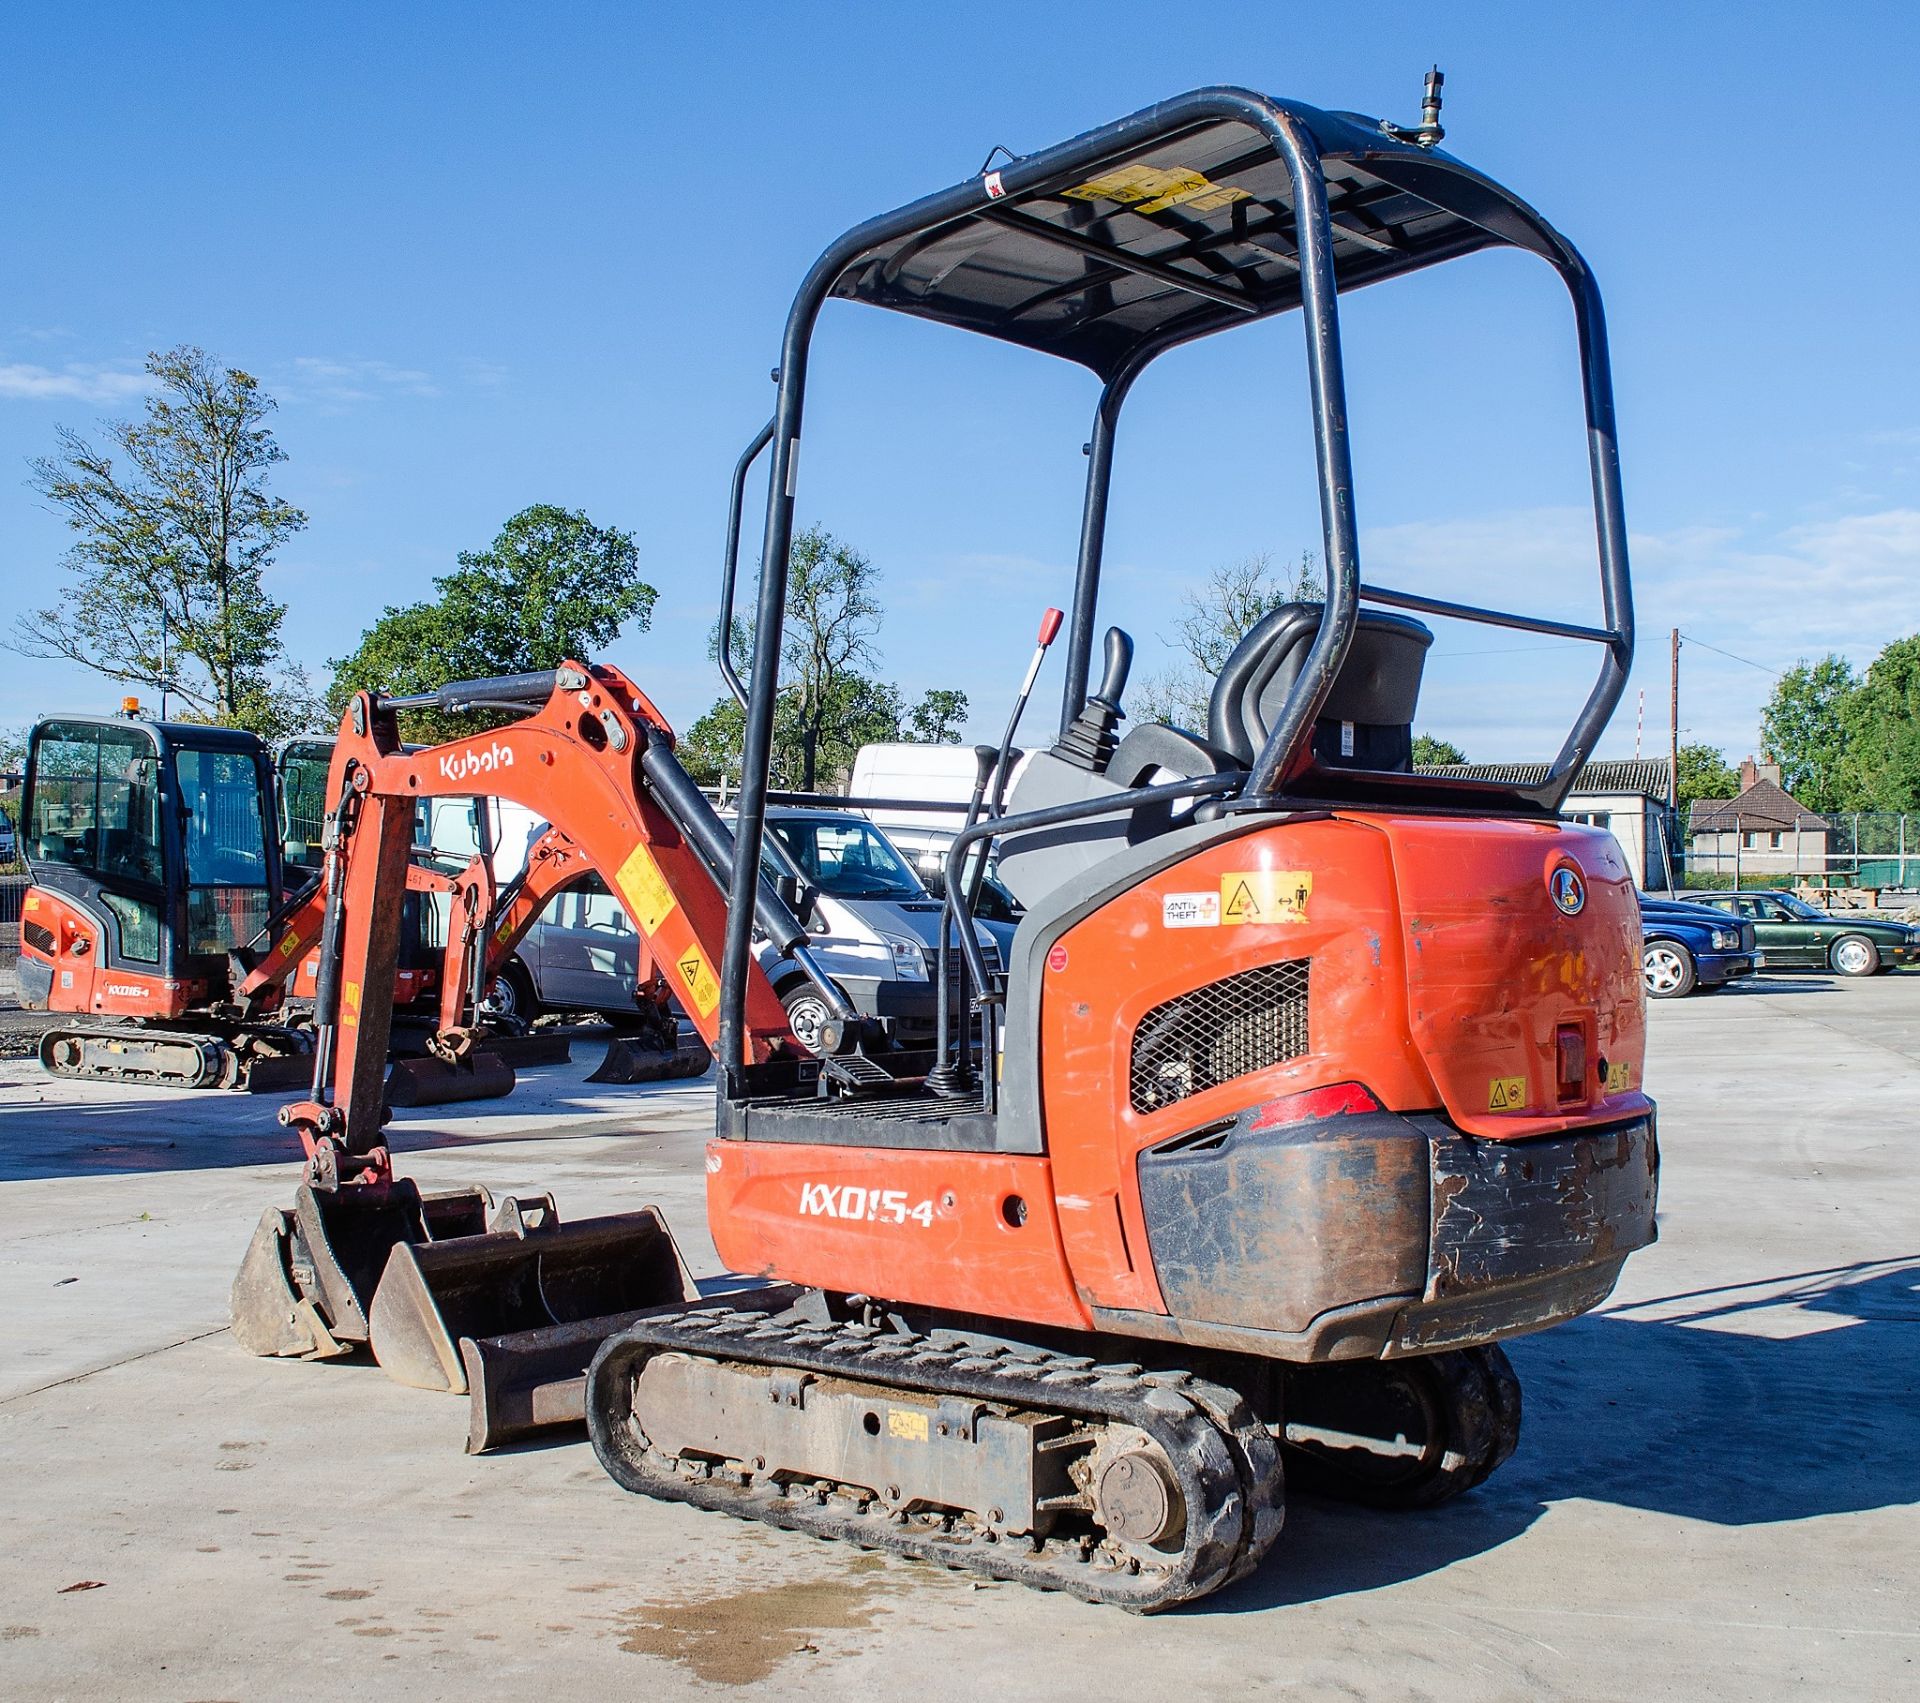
457, 768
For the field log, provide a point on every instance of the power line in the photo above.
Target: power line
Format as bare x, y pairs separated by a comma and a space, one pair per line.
1717, 651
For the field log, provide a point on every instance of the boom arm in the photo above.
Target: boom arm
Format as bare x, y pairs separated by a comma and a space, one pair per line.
576, 762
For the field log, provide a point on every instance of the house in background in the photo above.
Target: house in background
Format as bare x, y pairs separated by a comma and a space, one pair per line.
1764, 831
1629, 798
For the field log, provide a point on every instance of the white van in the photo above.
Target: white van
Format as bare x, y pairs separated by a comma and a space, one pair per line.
936, 773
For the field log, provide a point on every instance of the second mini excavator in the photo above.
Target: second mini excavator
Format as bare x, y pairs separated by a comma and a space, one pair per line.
1308, 1079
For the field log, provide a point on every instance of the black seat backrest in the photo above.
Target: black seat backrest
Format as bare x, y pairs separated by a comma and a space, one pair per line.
1367, 720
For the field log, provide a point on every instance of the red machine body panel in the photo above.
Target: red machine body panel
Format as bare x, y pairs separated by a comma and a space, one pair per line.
969, 1231
64, 935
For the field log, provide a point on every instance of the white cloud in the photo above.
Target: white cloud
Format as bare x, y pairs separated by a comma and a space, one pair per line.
340, 381
78, 381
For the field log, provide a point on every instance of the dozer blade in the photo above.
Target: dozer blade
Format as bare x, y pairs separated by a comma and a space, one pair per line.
275, 1073
633, 1061
429, 1081
542, 1046
523, 1278
303, 1288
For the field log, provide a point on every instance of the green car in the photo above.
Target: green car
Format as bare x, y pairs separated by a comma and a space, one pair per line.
1794, 936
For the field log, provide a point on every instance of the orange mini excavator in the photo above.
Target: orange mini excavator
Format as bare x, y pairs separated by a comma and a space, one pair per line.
1307, 1078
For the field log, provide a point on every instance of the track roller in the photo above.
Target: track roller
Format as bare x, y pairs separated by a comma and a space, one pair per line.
1401, 1433
1143, 1490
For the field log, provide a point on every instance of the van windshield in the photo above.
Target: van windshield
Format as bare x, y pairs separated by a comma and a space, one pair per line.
847, 859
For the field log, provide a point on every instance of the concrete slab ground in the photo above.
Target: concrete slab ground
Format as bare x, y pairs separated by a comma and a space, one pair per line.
1714, 1496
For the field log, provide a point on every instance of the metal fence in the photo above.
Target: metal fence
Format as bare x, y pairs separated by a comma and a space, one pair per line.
13, 893
1851, 853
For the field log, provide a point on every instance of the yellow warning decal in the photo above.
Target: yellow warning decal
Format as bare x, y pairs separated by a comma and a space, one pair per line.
33, 901
907, 1422
505, 929
1153, 189
702, 986
350, 1001
1616, 1078
1506, 1093
647, 894
1265, 895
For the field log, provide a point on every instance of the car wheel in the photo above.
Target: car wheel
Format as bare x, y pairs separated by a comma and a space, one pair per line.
1667, 969
806, 1012
511, 998
1854, 955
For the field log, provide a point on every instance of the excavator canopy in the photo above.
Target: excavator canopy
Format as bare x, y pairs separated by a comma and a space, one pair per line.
1173, 236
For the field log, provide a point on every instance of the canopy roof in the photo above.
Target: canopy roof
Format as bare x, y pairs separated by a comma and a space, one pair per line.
1174, 236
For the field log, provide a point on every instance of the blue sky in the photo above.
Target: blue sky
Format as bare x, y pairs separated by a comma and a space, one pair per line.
490, 256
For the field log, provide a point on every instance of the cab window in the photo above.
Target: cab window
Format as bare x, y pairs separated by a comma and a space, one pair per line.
95, 802
226, 847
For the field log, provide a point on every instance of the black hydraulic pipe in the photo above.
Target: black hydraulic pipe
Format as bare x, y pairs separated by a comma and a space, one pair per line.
502, 691
694, 815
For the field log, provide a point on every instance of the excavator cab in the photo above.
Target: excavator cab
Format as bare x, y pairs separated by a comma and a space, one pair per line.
1307, 1078
152, 861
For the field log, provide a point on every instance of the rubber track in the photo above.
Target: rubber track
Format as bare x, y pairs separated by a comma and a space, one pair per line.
1227, 1465
236, 1056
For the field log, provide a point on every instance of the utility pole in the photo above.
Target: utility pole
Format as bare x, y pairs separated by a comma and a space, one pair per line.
1673, 753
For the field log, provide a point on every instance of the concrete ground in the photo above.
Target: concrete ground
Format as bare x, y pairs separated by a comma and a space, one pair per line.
1714, 1496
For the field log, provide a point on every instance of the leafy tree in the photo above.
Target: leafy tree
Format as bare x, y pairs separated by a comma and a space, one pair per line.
1217, 617
1879, 768
172, 544
552, 585
1704, 772
830, 701
860, 712
832, 616
1431, 751
938, 717
1804, 728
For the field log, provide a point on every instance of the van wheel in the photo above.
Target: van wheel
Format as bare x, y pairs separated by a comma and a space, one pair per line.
806, 1013
1667, 969
512, 997
1855, 955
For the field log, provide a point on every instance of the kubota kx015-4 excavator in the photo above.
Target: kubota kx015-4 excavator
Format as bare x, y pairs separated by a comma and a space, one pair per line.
1308, 1078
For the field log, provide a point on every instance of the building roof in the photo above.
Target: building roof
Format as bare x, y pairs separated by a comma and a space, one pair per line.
1762, 805
1646, 776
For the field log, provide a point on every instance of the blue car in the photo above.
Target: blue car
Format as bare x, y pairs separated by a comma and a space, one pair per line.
1684, 947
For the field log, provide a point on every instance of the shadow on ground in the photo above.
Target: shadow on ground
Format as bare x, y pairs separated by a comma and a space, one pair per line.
1695, 1415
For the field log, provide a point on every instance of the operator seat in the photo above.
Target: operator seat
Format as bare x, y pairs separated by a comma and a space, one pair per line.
1366, 723
1367, 720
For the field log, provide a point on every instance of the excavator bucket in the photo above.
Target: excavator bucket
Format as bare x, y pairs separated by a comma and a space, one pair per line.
309, 1275
428, 1081
522, 1278
629, 1061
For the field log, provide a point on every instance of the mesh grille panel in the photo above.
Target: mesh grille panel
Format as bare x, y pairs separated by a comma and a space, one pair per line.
1226, 1029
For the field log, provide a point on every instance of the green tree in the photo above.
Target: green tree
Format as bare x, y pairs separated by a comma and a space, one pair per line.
860, 712
938, 717
552, 585
1880, 734
1431, 752
1804, 728
830, 701
1218, 615
172, 543
1703, 773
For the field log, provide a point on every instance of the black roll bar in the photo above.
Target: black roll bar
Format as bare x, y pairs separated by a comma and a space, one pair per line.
995, 195
730, 563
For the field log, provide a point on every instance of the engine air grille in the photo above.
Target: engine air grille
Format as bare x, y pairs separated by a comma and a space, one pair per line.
1226, 1029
